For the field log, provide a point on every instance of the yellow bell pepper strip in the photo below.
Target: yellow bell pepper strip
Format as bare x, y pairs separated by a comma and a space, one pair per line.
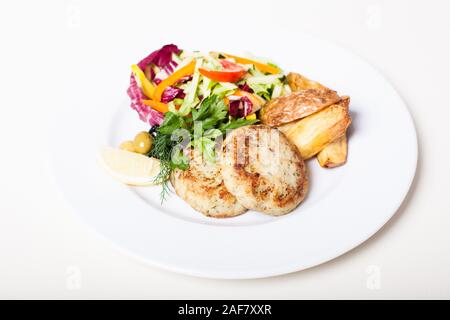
147, 87
261, 66
187, 70
158, 106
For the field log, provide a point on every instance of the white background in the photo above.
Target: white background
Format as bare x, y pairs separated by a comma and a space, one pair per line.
47, 50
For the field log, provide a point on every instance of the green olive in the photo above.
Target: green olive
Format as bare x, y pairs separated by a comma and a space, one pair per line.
143, 142
127, 146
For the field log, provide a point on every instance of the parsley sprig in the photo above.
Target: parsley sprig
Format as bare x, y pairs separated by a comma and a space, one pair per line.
200, 128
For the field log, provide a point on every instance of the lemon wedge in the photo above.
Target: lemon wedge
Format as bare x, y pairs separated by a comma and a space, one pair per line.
129, 167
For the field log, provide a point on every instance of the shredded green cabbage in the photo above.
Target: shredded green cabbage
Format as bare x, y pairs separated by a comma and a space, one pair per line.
270, 79
277, 90
224, 88
191, 93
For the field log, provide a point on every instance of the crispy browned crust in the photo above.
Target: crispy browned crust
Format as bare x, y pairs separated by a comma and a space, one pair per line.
250, 181
335, 153
202, 187
298, 82
297, 105
314, 133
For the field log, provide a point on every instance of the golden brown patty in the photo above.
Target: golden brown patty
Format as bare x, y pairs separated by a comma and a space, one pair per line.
202, 187
297, 105
263, 170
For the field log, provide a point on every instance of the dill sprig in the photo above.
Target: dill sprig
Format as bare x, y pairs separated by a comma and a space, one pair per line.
163, 178
162, 150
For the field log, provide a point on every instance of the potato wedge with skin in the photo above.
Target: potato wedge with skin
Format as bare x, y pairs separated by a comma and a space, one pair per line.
312, 134
297, 105
298, 82
334, 154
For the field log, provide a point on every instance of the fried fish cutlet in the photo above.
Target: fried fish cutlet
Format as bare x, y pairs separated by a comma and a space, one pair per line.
263, 170
202, 187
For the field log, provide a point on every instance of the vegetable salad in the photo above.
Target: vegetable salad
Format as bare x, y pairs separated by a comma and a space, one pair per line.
190, 99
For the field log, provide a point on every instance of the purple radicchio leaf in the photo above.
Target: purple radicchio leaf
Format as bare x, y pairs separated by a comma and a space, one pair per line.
170, 93
241, 107
161, 58
184, 80
146, 113
245, 87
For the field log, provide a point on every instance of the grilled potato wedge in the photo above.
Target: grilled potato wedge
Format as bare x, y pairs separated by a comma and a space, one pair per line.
334, 154
312, 134
298, 82
297, 105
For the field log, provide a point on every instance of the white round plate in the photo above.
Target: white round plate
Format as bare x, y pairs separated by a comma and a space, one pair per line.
345, 206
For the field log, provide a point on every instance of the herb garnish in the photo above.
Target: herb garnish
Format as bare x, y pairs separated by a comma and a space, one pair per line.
199, 131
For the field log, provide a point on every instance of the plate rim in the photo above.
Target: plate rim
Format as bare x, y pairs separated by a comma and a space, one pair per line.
288, 268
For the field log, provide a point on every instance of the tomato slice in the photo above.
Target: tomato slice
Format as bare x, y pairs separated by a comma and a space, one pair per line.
261, 66
231, 72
